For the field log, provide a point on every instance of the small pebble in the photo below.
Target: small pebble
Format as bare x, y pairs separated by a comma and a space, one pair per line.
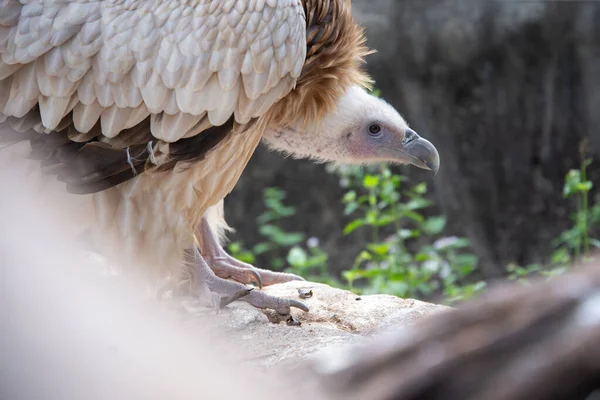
305, 293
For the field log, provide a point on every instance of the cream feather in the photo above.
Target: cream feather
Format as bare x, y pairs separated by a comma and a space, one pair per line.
132, 51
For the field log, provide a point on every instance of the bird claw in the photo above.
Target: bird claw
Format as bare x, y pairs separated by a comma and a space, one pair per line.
233, 291
220, 292
227, 267
226, 300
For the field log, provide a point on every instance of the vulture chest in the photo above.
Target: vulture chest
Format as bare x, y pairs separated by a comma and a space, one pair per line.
149, 220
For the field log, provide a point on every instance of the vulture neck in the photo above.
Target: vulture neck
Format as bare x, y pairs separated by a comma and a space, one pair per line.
305, 143
325, 140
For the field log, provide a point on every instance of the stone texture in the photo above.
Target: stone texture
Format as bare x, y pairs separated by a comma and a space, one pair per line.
336, 318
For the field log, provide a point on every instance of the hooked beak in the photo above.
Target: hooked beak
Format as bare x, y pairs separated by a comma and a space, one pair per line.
420, 152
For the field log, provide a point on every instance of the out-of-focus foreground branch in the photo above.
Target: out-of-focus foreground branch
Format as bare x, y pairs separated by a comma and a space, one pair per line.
513, 343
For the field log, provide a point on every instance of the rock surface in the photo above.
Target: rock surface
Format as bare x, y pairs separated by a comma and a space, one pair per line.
336, 318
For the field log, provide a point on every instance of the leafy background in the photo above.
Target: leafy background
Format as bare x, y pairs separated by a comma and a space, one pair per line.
509, 93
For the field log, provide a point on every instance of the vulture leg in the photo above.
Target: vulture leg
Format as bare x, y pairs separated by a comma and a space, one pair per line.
219, 292
226, 266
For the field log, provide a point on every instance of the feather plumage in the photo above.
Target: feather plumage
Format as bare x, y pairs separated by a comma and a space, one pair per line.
156, 106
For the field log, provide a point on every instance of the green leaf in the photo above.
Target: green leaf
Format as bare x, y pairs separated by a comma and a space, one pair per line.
370, 181
420, 257
363, 256
460, 243
385, 220
353, 225
266, 217
270, 231
585, 186
350, 208
352, 275
379, 248
466, 261
405, 233
261, 248
246, 257
412, 215
372, 199
279, 236
574, 183
421, 188
371, 272
371, 217
434, 225
277, 263
234, 247
297, 256
349, 196
290, 239
561, 256
363, 199
417, 204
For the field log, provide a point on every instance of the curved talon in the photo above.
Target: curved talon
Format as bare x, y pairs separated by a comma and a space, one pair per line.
210, 283
256, 274
298, 304
226, 300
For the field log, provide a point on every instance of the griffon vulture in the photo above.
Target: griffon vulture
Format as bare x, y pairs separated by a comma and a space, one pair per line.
152, 108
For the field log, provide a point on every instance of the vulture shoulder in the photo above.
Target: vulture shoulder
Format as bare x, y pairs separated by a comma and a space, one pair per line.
102, 87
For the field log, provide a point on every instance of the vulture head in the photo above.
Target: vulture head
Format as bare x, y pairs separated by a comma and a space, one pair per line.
362, 129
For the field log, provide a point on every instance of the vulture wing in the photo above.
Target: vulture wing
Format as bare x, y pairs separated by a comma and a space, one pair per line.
103, 87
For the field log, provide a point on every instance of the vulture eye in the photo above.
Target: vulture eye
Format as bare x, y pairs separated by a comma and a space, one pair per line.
375, 129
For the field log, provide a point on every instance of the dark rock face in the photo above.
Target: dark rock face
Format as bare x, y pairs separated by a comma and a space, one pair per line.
509, 92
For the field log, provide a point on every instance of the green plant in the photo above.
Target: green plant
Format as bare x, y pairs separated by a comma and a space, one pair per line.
307, 260
270, 229
407, 254
311, 262
575, 243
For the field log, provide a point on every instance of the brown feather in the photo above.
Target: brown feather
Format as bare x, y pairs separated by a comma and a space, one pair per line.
334, 61
194, 149
90, 162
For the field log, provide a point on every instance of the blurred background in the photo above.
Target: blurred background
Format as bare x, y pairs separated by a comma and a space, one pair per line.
509, 92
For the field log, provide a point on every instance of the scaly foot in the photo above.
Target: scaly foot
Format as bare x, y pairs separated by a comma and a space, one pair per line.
228, 267
217, 292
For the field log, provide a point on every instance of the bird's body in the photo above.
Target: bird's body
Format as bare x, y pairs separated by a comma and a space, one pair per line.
151, 109
157, 213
